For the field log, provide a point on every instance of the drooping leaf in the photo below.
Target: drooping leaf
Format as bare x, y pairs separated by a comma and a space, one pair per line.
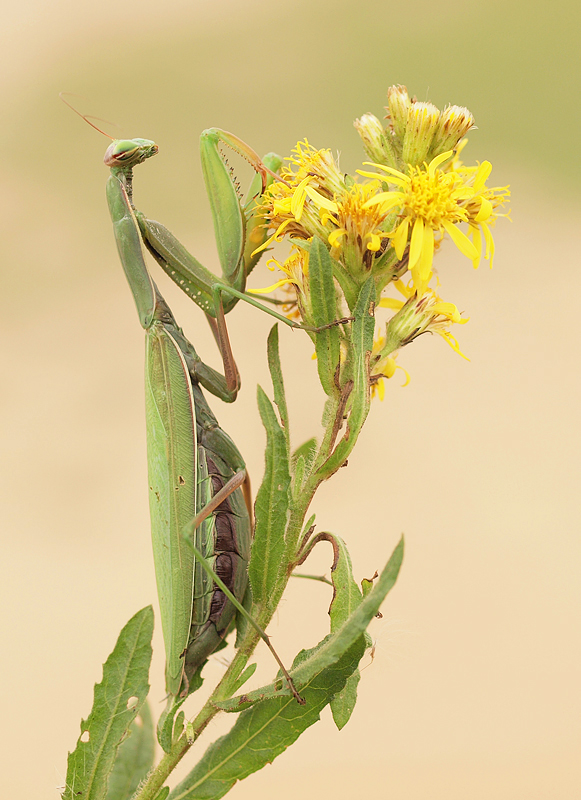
170, 726
324, 305
134, 757
333, 646
346, 598
117, 701
271, 508
263, 732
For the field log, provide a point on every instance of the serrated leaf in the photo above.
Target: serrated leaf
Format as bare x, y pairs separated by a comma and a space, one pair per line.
271, 508
333, 646
125, 676
263, 732
134, 757
324, 305
277, 381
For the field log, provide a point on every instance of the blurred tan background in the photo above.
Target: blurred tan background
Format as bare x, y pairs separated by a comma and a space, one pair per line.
474, 690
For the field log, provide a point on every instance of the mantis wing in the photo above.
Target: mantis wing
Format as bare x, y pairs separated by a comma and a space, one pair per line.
172, 467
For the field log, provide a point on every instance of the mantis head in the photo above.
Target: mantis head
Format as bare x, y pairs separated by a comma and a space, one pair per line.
127, 153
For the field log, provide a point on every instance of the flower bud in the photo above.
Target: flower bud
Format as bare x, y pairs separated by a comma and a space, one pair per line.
398, 103
421, 125
453, 125
376, 140
419, 315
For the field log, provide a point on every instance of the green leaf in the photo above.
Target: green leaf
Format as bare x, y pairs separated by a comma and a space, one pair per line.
170, 727
245, 676
271, 509
362, 336
343, 703
333, 646
324, 305
277, 381
263, 732
307, 450
125, 678
360, 399
134, 757
347, 595
346, 598
162, 794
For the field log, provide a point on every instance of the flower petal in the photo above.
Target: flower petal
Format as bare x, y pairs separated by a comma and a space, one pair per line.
485, 210
460, 239
320, 201
435, 162
400, 238
391, 302
416, 242
277, 285
387, 199
484, 171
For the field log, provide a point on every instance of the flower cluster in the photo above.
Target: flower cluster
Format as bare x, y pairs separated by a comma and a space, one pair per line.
387, 220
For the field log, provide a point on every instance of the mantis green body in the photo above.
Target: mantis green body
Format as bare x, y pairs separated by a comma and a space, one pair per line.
195, 469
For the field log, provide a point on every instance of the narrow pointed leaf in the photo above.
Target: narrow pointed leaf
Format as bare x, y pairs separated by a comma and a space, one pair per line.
125, 678
324, 305
263, 732
271, 508
134, 757
277, 380
362, 337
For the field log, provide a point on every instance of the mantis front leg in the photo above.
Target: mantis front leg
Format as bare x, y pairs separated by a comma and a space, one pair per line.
239, 229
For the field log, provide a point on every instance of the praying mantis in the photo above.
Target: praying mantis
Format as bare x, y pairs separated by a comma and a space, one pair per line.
196, 473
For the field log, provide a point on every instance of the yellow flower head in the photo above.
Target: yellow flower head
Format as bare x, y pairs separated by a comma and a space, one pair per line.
416, 315
295, 284
284, 204
431, 202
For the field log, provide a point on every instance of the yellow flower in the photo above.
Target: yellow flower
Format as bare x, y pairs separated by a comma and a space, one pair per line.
296, 283
353, 229
416, 315
431, 202
284, 204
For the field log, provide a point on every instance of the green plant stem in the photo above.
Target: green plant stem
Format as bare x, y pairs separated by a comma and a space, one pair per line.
227, 686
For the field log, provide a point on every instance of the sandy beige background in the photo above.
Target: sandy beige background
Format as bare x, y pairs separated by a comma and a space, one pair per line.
474, 690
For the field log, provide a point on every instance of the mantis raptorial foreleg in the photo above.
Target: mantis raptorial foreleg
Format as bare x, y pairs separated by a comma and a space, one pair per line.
239, 228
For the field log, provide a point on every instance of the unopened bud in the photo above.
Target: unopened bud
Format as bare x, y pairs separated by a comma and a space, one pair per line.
453, 125
398, 103
421, 125
376, 140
